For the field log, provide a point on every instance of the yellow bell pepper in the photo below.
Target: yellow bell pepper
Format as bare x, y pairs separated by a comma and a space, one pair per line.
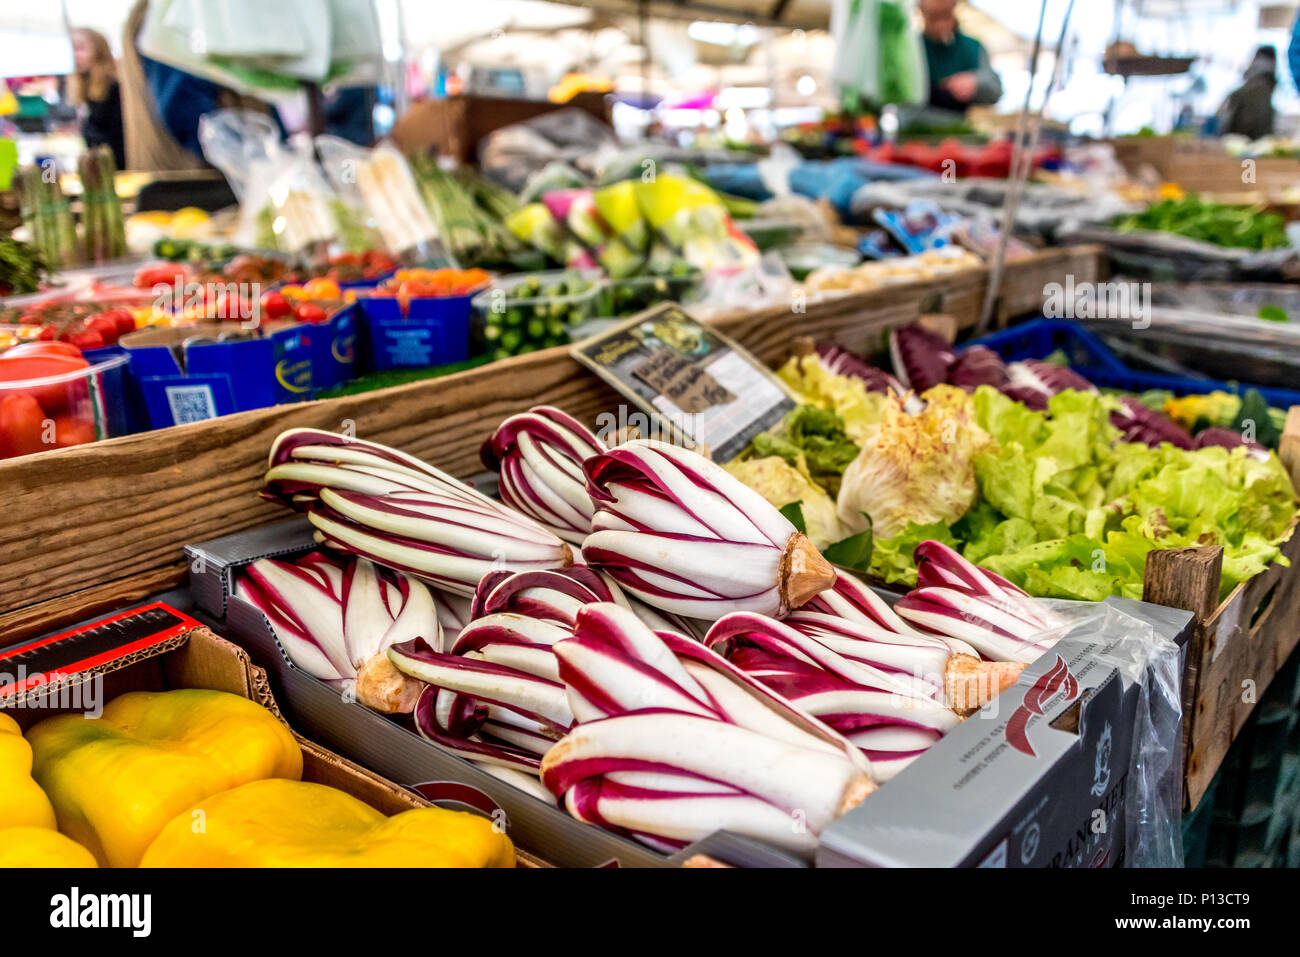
22, 802
116, 780
276, 823
41, 847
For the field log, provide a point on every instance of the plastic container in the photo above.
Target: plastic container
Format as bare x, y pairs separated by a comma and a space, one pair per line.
53, 402
535, 310
1089, 357
802, 258
627, 297
434, 332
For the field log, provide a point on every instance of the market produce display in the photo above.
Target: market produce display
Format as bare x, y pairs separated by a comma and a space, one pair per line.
1034, 494
647, 680
1239, 227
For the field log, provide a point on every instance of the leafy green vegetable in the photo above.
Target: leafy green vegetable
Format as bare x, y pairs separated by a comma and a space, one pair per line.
817, 433
891, 558
853, 552
1241, 227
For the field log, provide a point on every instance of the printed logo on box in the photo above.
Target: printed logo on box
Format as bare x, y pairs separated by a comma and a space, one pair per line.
1101, 764
1056, 682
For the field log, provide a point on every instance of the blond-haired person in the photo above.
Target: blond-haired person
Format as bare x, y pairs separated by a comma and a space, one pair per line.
94, 90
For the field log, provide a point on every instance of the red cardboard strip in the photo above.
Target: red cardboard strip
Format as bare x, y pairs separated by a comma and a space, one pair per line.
89, 646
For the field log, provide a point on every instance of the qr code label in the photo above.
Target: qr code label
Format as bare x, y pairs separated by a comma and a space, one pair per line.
191, 403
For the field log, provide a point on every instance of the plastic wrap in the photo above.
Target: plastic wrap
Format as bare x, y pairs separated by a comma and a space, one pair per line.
284, 200
1153, 808
339, 159
1076, 764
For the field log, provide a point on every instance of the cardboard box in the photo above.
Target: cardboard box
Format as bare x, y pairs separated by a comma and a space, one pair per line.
935, 813
157, 648
202, 381
1039, 778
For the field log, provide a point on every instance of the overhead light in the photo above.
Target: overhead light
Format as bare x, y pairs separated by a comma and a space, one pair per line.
723, 34
806, 85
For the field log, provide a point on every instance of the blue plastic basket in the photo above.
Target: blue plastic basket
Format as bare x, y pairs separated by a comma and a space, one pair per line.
1091, 358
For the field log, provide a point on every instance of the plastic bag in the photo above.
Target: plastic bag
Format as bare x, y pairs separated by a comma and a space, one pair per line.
1153, 834
283, 196
766, 282
355, 226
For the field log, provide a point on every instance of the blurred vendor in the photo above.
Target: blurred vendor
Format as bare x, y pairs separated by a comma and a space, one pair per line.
960, 74
1248, 110
95, 90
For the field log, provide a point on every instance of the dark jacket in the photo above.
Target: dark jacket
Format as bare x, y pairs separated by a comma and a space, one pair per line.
964, 54
103, 124
1248, 110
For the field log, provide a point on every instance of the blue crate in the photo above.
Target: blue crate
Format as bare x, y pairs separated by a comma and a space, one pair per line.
434, 332
1091, 358
334, 349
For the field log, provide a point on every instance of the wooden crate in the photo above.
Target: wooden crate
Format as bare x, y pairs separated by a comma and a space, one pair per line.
1239, 643
455, 125
91, 527
1222, 174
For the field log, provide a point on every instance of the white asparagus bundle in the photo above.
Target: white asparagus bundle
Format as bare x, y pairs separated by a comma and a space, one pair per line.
539, 455
893, 716
390, 194
956, 599
336, 621
674, 743
392, 508
682, 535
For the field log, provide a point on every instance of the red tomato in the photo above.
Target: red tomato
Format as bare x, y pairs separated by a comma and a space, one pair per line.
309, 312
44, 349
103, 324
72, 430
275, 306
162, 274
53, 397
47, 333
22, 425
123, 319
87, 339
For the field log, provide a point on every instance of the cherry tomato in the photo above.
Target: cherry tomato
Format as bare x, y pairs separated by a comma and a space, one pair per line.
309, 312
275, 306
86, 340
72, 430
106, 326
22, 425
122, 319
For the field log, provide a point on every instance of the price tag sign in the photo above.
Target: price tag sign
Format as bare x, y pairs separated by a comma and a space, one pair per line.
695, 386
